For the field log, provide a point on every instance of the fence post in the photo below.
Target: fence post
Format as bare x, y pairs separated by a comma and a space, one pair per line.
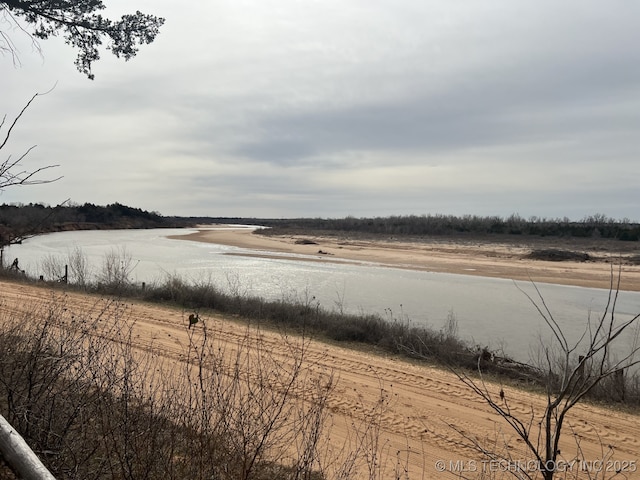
19, 456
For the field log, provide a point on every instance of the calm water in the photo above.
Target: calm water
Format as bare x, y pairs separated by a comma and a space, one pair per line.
492, 312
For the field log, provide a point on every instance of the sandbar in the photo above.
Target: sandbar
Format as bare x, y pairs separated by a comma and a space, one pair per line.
465, 256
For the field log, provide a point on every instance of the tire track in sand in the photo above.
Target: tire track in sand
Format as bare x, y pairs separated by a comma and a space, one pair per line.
411, 406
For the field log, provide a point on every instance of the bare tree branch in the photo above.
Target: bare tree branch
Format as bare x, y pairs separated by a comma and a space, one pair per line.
566, 383
10, 173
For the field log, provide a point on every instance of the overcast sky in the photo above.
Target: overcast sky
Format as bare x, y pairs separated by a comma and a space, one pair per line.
287, 108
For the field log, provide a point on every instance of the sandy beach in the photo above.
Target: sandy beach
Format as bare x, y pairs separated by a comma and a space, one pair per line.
479, 257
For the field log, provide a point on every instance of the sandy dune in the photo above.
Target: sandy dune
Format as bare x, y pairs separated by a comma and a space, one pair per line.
468, 257
412, 405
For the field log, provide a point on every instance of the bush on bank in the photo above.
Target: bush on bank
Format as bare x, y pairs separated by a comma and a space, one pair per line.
93, 408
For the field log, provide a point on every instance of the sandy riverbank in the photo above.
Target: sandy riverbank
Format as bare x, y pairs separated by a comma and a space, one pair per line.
403, 410
466, 256
406, 409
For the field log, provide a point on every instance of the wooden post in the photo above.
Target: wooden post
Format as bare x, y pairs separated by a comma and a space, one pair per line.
20, 458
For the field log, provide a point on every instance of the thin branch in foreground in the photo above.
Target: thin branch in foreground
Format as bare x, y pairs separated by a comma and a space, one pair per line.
8, 176
566, 383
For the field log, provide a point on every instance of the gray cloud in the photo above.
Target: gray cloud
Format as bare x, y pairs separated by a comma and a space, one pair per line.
330, 108
512, 106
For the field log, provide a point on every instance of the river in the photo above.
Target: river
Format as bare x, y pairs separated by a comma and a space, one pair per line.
489, 311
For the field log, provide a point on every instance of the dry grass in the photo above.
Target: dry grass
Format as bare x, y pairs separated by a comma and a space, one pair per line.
95, 401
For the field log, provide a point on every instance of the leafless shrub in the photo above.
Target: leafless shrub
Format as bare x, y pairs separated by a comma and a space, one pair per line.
254, 400
52, 267
117, 266
235, 285
96, 401
449, 331
74, 268
50, 361
79, 270
573, 370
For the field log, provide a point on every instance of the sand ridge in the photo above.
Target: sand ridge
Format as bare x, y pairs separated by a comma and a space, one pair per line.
411, 406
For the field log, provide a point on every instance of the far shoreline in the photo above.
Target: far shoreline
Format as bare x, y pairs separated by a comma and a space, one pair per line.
467, 256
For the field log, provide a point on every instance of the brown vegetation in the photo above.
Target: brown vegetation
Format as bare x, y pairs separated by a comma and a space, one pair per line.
284, 404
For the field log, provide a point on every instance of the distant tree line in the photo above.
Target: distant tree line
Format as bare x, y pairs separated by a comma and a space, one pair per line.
23, 220
595, 226
19, 221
